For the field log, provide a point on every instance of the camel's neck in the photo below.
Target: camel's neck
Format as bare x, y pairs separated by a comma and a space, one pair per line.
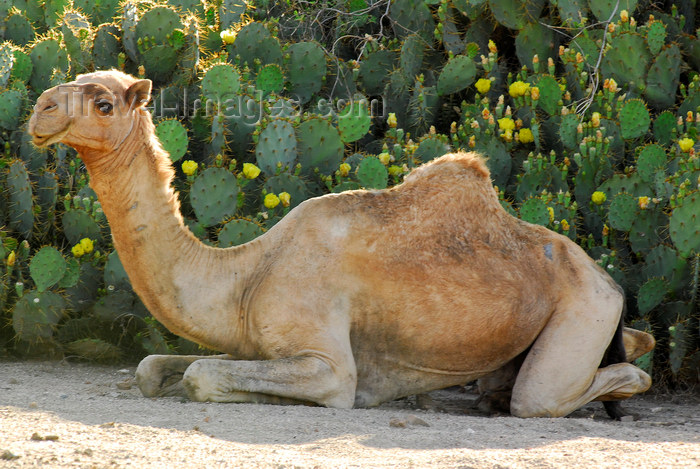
193, 289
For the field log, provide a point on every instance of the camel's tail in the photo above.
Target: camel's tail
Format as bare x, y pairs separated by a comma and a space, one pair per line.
616, 354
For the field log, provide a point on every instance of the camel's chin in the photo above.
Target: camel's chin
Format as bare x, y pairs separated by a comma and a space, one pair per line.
45, 140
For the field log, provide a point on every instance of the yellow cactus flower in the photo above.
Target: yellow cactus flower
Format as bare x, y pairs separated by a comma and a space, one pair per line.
606, 230
250, 171
525, 136
507, 135
624, 16
78, 250
344, 169
599, 197
385, 158
551, 214
87, 245
492, 47
535, 93
518, 88
472, 141
483, 85
271, 201
565, 225
595, 119
391, 120
228, 36
189, 167
506, 123
285, 198
686, 144
643, 202
611, 85
11, 259
395, 170
485, 114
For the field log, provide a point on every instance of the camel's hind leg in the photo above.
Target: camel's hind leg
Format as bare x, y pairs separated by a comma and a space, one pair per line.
560, 373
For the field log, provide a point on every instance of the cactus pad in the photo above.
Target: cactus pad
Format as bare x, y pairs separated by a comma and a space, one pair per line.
293, 185
375, 70
412, 16
602, 9
534, 210
20, 195
372, 174
214, 196
47, 268
623, 211
10, 109
411, 58
22, 67
651, 159
685, 225
19, 30
115, 276
679, 338
664, 127
354, 121
634, 119
78, 224
221, 82
238, 232
534, 39
515, 14
96, 350
319, 146
36, 314
255, 43
173, 136
432, 147
270, 79
458, 73
663, 78
656, 36
46, 56
627, 60
276, 145
306, 67
550, 95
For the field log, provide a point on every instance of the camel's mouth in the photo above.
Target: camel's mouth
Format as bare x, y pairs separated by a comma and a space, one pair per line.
45, 140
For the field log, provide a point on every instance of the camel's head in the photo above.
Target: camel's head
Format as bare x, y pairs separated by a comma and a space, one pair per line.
96, 112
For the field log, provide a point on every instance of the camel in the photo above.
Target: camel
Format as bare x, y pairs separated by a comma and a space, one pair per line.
352, 299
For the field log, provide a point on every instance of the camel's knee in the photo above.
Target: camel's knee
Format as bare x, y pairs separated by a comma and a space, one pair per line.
533, 406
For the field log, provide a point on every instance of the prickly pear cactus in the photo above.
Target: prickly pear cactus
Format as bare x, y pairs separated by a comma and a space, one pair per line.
21, 213
305, 64
685, 225
319, 146
459, 73
36, 314
277, 147
47, 268
173, 136
214, 195
372, 174
237, 232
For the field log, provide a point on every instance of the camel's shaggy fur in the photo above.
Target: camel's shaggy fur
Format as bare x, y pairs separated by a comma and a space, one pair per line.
352, 299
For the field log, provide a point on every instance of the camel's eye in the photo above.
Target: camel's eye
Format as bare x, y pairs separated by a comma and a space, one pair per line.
104, 106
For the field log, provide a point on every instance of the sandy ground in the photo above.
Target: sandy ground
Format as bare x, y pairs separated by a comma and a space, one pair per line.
60, 415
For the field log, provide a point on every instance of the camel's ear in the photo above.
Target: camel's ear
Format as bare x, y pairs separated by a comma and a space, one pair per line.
138, 94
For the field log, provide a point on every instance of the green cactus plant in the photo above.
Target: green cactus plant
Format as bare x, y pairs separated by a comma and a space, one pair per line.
354, 120
634, 119
684, 224
238, 231
173, 136
289, 183
319, 146
255, 44
305, 65
20, 208
36, 314
458, 74
47, 55
106, 46
277, 145
214, 196
372, 174
47, 268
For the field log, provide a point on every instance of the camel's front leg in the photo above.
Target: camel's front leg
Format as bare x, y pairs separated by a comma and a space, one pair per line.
309, 378
161, 375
